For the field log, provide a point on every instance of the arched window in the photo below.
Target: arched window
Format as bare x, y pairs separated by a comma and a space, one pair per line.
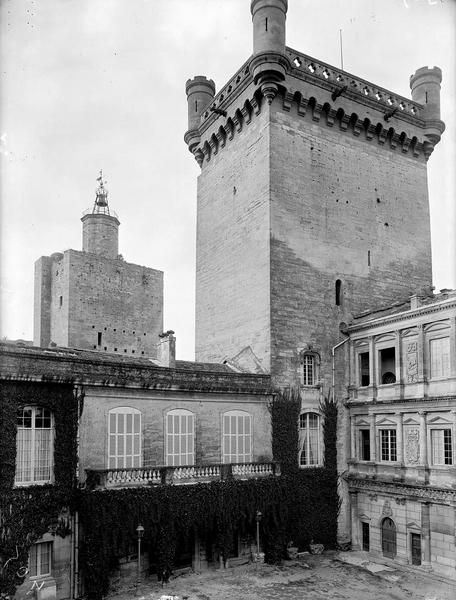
388, 538
34, 445
236, 437
180, 438
309, 440
124, 438
338, 292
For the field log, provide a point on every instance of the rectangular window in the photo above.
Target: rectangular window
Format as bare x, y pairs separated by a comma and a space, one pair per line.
440, 357
363, 369
34, 445
387, 365
441, 447
388, 445
124, 438
180, 438
237, 437
40, 559
364, 444
308, 369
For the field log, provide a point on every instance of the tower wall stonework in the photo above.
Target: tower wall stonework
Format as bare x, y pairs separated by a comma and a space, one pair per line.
100, 234
42, 302
232, 261
341, 209
121, 301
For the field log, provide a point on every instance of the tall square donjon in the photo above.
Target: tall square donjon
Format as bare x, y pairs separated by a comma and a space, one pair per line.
94, 299
312, 201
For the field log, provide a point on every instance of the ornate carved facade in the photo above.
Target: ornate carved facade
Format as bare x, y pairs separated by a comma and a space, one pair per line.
401, 474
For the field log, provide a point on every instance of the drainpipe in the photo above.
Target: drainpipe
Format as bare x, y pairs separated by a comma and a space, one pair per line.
333, 355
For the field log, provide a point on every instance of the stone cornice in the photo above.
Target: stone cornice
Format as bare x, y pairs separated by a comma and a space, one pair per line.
416, 492
403, 316
386, 137
398, 402
97, 369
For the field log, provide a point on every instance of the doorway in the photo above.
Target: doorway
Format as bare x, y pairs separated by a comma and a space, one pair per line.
415, 542
388, 538
365, 532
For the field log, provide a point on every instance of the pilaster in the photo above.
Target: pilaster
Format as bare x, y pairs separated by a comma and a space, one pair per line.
426, 533
354, 520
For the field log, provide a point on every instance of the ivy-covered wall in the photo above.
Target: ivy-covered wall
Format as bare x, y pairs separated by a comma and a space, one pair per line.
26, 513
300, 506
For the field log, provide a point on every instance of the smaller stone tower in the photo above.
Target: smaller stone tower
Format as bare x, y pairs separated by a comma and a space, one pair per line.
269, 64
94, 299
425, 86
200, 93
100, 226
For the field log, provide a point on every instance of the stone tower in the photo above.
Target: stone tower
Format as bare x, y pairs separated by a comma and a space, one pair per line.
312, 202
94, 299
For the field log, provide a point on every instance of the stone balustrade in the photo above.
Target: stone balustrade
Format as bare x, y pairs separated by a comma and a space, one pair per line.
340, 78
189, 474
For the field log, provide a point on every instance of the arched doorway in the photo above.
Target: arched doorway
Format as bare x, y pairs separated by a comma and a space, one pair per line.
388, 538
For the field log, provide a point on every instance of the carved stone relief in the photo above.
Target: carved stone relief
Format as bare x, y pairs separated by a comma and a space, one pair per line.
412, 362
412, 446
387, 510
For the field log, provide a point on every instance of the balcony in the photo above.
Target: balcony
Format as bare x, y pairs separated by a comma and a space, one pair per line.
191, 474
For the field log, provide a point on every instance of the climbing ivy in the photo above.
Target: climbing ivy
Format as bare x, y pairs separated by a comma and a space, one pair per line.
26, 513
301, 505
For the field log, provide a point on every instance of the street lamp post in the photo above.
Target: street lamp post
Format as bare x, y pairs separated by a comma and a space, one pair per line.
140, 532
258, 519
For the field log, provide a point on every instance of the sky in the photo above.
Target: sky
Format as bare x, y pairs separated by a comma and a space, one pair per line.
100, 84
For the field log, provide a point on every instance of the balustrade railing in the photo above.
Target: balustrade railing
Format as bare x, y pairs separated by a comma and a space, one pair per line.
108, 478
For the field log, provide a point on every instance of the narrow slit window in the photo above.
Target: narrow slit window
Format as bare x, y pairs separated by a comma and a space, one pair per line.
196, 105
266, 28
338, 292
364, 375
60, 301
368, 258
99, 338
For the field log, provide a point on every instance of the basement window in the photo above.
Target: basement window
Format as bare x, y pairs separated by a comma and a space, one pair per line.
387, 365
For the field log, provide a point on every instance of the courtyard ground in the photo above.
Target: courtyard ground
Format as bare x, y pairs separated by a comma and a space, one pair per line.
328, 576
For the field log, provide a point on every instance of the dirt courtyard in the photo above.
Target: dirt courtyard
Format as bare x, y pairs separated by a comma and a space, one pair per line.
308, 578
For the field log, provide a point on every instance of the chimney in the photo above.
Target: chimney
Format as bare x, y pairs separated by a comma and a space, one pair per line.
414, 302
167, 349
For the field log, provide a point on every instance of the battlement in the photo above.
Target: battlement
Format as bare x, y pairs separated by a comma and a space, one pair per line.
317, 72
324, 75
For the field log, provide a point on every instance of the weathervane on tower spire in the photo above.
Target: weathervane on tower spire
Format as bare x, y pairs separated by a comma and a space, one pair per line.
101, 200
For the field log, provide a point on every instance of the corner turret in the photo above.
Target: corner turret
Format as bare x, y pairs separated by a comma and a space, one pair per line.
425, 86
269, 63
200, 93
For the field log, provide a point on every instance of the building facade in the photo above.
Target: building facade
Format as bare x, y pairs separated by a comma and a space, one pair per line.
93, 299
136, 425
402, 407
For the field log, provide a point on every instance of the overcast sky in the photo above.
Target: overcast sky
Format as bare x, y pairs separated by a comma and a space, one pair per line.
90, 84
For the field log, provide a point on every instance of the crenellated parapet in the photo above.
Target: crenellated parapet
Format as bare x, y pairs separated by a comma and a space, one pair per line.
340, 97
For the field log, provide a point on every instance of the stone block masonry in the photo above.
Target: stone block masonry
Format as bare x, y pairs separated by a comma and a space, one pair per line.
92, 302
